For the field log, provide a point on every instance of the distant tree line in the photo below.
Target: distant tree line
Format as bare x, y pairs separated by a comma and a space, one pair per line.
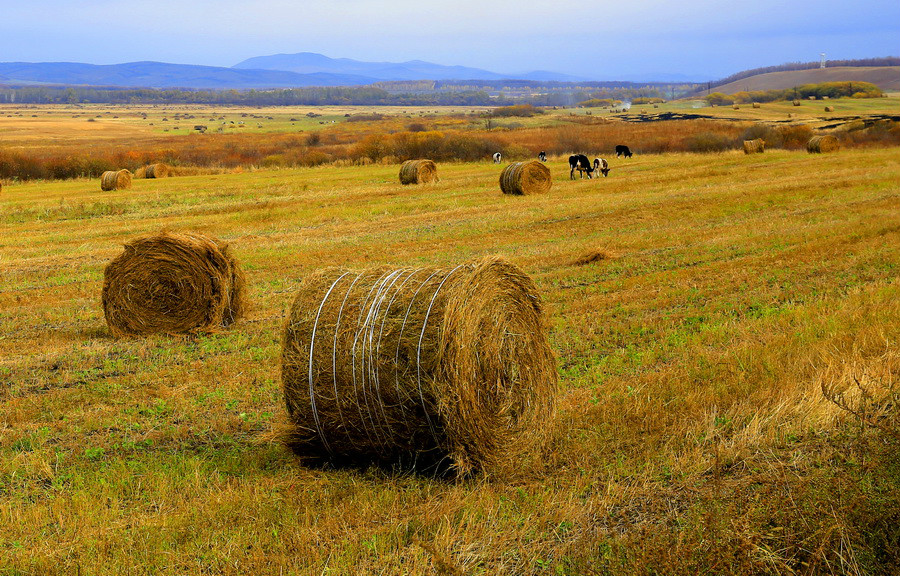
791, 66
845, 89
418, 94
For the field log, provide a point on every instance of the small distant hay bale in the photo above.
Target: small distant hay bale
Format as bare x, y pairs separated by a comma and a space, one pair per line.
756, 104
796, 102
524, 178
449, 368
757, 146
115, 180
158, 170
736, 107
173, 283
829, 108
418, 172
822, 144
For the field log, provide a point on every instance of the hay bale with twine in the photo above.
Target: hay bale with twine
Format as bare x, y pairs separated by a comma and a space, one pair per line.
158, 170
115, 180
418, 172
523, 178
425, 367
173, 283
822, 144
757, 146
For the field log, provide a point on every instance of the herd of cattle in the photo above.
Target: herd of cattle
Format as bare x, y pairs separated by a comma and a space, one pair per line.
581, 163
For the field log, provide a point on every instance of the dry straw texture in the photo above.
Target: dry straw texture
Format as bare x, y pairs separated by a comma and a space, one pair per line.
829, 108
757, 146
820, 144
158, 170
418, 172
418, 367
115, 180
173, 283
521, 178
756, 104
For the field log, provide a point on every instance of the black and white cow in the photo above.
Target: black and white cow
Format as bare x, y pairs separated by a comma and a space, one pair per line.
542, 156
496, 157
602, 165
581, 163
620, 150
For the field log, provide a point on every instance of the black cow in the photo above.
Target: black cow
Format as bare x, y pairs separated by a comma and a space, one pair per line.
581, 163
620, 150
542, 156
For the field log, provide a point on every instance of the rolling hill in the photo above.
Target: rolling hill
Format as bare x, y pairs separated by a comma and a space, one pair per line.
885, 77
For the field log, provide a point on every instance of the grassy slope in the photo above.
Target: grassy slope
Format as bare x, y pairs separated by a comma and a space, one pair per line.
885, 77
692, 432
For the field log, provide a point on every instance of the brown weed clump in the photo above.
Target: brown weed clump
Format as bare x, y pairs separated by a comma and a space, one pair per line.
757, 146
173, 283
158, 170
522, 178
418, 172
820, 144
597, 255
115, 180
418, 367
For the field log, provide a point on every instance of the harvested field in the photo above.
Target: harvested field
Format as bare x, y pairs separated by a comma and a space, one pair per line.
692, 432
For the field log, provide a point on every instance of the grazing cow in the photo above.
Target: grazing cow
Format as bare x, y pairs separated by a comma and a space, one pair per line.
620, 150
542, 156
581, 163
496, 157
602, 165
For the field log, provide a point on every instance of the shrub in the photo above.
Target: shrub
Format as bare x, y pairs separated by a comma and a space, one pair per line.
524, 110
709, 142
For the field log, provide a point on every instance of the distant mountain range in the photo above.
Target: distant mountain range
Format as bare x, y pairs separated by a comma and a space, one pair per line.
278, 71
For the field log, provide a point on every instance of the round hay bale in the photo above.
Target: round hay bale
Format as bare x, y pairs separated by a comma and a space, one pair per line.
173, 283
418, 172
444, 367
756, 104
115, 180
757, 146
796, 102
829, 108
822, 144
736, 107
158, 170
522, 178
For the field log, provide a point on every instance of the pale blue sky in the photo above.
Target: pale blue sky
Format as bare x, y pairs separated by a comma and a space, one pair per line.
601, 40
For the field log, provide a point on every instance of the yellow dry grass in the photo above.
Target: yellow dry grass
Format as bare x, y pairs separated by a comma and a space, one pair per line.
692, 434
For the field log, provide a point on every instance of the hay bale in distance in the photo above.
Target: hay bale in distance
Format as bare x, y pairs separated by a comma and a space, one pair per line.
822, 144
757, 146
736, 107
158, 170
173, 283
115, 180
418, 366
829, 108
796, 102
418, 172
756, 104
523, 178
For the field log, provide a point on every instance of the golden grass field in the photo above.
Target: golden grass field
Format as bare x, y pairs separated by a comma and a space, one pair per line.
721, 295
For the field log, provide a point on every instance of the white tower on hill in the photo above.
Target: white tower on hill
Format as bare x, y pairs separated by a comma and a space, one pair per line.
822, 61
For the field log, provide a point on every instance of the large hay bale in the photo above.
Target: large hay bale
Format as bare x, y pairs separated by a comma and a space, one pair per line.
158, 170
173, 283
757, 146
418, 366
418, 172
115, 180
522, 178
819, 144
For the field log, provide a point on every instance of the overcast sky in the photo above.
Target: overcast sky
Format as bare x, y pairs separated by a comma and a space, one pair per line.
599, 40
